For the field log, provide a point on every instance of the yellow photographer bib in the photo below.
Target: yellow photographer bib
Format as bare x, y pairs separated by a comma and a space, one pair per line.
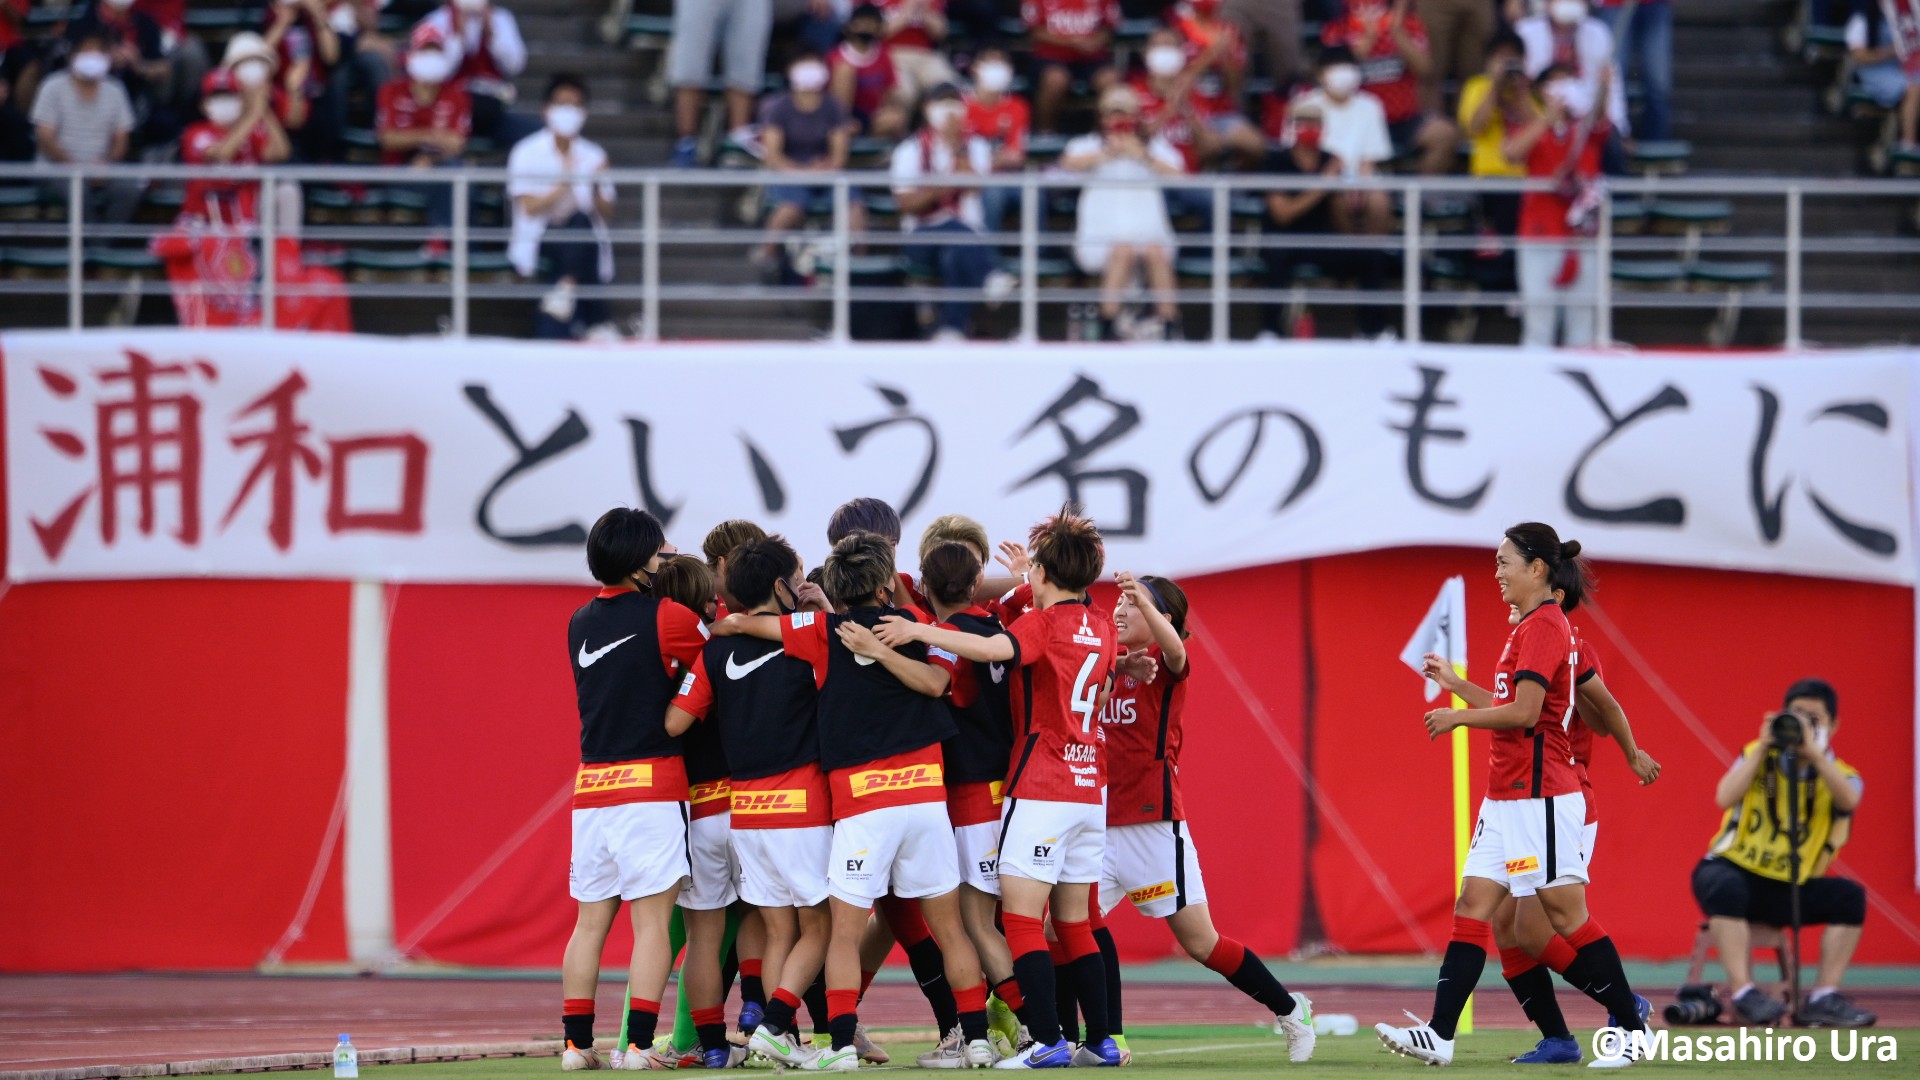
1753, 834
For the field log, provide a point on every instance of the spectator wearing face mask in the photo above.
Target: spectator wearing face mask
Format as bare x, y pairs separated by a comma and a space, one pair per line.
804, 130
1119, 231
1315, 213
1558, 271
83, 116
1491, 103
736, 30
1390, 44
1214, 72
862, 79
238, 130
300, 34
253, 66
998, 115
1070, 40
1566, 36
913, 30
424, 119
486, 39
943, 149
1878, 69
1648, 41
1354, 136
1170, 110
138, 54
561, 205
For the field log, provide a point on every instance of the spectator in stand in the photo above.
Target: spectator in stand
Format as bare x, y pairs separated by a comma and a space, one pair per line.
863, 79
561, 205
1458, 31
83, 116
1215, 72
424, 119
1170, 110
1354, 134
238, 130
486, 39
1121, 231
253, 66
1391, 45
913, 31
301, 34
1649, 52
1315, 213
1876, 64
1275, 26
737, 30
803, 131
1559, 272
943, 149
1072, 40
186, 55
1491, 103
1567, 36
997, 114
19, 75
366, 57
813, 24
140, 63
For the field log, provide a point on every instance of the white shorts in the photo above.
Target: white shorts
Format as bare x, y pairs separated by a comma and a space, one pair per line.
1154, 865
1053, 842
710, 847
1589, 835
1530, 844
629, 851
906, 849
783, 867
979, 848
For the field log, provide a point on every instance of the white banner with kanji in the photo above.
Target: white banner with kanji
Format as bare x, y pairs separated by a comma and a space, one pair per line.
242, 454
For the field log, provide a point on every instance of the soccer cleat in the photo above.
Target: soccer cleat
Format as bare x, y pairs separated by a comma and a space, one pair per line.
1418, 1042
751, 1014
1627, 1057
843, 1059
1297, 1026
1103, 1054
780, 1049
726, 1057
870, 1051
1002, 1026
950, 1054
638, 1060
1832, 1010
1126, 1055
981, 1054
1641, 1006
1551, 1052
1038, 1056
575, 1059
1757, 1007
1022, 1040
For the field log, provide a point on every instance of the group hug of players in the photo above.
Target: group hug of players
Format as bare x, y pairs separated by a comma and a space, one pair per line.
791, 773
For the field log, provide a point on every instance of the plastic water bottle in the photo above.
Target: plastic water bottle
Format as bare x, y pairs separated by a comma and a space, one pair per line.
346, 1060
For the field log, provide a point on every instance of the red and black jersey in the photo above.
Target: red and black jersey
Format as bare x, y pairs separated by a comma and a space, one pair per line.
623, 647
1579, 735
1536, 762
760, 708
1142, 726
1063, 657
1008, 609
981, 707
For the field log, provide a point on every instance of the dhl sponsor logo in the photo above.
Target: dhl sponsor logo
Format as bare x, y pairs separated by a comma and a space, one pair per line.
1149, 893
1522, 866
784, 801
705, 793
613, 778
874, 781
994, 790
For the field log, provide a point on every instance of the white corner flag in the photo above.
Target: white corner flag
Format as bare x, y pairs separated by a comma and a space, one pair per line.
1443, 631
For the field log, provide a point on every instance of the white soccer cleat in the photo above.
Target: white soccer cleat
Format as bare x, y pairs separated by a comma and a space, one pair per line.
950, 1054
981, 1054
1418, 1042
1628, 1056
870, 1051
831, 1060
1297, 1026
576, 1059
638, 1060
780, 1049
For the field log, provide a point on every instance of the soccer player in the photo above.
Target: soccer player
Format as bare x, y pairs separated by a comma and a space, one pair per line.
880, 731
630, 796
1150, 857
721, 539
1528, 839
1053, 825
762, 709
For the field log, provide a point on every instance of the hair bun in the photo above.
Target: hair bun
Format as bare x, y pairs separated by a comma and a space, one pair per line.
1570, 549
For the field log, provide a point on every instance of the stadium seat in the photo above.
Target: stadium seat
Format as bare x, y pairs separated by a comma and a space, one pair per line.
1729, 275
1692, 218
1661, 157
36, 262
112, 262
1240, 268
20, 202
375, 265
1649, 273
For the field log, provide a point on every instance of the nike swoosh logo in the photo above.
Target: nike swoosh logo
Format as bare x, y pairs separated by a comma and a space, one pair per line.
587, 659
999, 672
741, 671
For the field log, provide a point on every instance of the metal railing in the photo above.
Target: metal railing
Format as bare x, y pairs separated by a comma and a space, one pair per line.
1768, 223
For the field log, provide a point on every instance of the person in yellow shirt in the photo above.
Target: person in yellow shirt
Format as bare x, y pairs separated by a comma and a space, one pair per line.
1499, 98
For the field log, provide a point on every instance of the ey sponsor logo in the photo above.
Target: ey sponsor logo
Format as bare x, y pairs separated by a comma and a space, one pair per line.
708, 792
990, 866
875, 781
1516, 867
1147, 894
612, 778
783, 801
857, 864
1043, 851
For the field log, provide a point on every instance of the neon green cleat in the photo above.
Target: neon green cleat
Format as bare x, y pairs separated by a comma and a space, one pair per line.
1002, 1026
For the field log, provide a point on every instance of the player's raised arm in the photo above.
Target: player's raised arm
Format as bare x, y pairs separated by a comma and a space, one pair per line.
764, 627
918, 675
896, 630
1173, 649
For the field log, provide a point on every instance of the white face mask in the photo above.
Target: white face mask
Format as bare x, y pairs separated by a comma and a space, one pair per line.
431, 66
993, 78
941, 114
1166, 61
566, 120
1341, 80
1573, 95
223, 109
251, 74
90, 65
344, 20
808, 78
471, 7
1567, 12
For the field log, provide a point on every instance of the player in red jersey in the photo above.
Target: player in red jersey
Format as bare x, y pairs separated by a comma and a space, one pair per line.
1053, 826
1151, 859
1520, 928
1528, 839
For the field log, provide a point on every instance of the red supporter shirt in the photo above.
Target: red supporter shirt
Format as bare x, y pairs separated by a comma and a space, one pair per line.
681, 635
1065, 656
795, 799
1536, 762
1158, 116
1382, 71
873, 78
1210, 86
1543, 214
1004, 123
1070, 19
1142, 726
399, 110
194, 145
912, 37
1579, 735
170, 15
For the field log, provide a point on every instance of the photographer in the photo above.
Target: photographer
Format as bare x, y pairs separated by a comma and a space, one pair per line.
1747, 875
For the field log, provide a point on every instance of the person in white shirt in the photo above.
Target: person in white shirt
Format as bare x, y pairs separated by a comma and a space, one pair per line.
1353, 133
1564, 29
560, 213
942, 148
486, 42
1121, 229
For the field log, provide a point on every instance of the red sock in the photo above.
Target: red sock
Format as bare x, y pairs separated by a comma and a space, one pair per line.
576, 1007
1094, 919
1076, 939
643, 1005
1557, 955
842, 1003
972, 999
750, 968
866, 980
715, 1015
786, 997
1024, 934
1516, 961
1589, 932
1009, 995
1227, 956
1471, 931
1058, 950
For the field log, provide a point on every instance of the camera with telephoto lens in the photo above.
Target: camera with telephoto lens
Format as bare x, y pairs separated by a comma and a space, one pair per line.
1785, 730
1695, 1004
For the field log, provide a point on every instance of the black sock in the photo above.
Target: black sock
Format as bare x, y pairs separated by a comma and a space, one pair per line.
1533, 989
1596, 972
1019, 1011
973, 1025
843, 1030
1035, 974
1110, 956
816, 999
579, 1030
712, 1036
930, 970
1090, 979
1254, 980
1066, 1001
641, 1024
779, 1017
1459, 974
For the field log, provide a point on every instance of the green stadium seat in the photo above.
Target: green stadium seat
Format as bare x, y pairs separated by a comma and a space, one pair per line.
1649, 273
1691, 215
331, 258
1730, 275
36, 261
1044, 267
1664, 156
1201, 266
20, 202
121, 262
376, 263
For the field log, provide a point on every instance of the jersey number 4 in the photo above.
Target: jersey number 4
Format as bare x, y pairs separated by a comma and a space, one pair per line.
1086, 693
